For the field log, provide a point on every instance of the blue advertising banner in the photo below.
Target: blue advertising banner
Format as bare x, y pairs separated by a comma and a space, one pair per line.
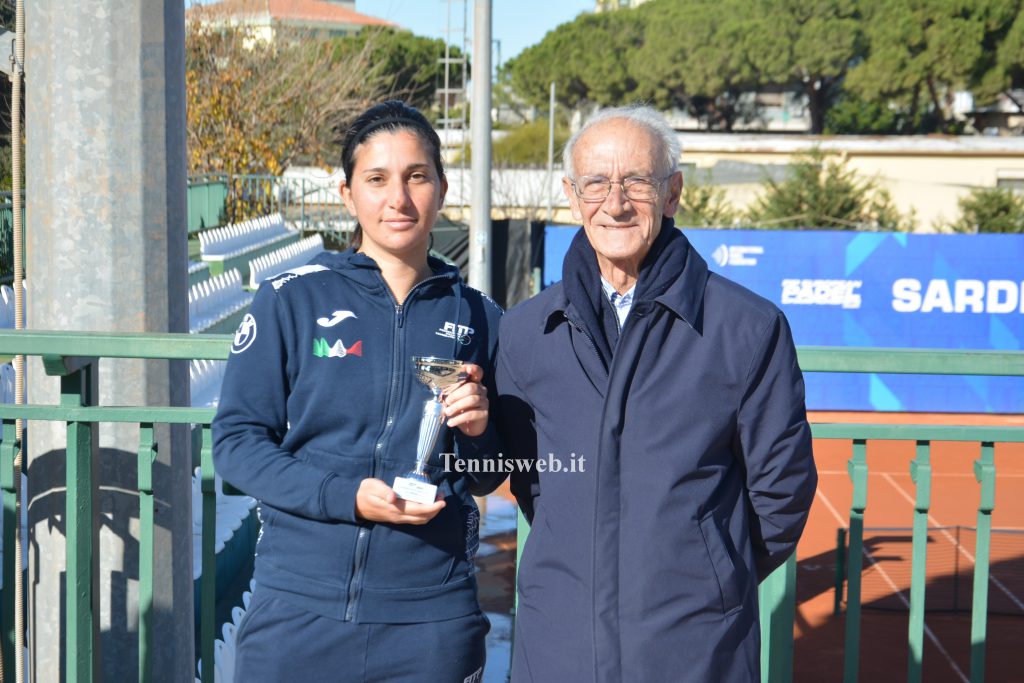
882, 290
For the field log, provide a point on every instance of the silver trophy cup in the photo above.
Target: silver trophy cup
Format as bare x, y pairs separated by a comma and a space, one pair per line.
438, 374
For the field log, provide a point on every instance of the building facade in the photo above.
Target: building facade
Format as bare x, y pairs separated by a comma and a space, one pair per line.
322, 18
610, 5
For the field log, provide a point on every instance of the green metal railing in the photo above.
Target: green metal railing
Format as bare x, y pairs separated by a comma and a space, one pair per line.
931, 362
207, 201
315, 206
73, 357
216, 199
920, 472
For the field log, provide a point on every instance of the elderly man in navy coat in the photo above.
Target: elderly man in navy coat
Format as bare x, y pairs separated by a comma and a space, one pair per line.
678, 394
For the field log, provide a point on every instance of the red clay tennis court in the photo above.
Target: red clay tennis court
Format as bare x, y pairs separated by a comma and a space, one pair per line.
819, 633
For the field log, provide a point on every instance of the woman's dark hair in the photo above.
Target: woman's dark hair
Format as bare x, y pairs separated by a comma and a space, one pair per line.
392, 116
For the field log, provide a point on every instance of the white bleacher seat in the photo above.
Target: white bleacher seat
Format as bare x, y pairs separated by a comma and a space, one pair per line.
210, 301
232, 240
224, 650
205, 378
231, 512
7, 305
24, 530
285, 258
6, 383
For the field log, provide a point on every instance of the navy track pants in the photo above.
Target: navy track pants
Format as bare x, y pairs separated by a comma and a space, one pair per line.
280, 642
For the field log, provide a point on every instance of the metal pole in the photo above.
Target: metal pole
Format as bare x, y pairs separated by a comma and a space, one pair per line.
447, 69
551, 153
480, 202
18, 245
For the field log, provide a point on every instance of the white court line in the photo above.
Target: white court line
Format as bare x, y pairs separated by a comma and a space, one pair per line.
928, 632
963, 551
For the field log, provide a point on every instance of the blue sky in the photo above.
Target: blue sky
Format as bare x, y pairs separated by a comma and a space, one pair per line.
516, 23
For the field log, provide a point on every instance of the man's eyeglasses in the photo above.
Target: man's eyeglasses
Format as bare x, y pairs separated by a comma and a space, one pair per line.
593, 188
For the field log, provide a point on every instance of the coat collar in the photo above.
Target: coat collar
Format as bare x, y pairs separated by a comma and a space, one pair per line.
684, 297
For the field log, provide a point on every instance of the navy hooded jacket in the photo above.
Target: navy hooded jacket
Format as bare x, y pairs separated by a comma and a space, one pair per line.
318, 395
697, 478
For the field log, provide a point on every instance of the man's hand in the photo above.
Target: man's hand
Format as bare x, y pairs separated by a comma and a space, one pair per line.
378, 502
465, 406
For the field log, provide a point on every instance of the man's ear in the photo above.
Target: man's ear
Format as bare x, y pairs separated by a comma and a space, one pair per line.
570, 194
675, 188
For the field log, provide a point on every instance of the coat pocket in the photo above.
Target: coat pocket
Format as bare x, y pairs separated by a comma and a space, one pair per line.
722, 564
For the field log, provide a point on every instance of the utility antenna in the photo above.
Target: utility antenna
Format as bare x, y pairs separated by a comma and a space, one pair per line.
454, 93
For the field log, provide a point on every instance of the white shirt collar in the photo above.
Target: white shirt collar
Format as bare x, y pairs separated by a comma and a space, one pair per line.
621, 303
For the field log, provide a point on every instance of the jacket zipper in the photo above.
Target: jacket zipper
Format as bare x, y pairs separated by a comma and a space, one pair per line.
363, 538
582, 330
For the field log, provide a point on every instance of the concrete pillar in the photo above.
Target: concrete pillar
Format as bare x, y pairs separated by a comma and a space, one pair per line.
107, 250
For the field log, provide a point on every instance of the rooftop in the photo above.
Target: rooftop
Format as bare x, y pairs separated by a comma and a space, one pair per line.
970, 145
287, 11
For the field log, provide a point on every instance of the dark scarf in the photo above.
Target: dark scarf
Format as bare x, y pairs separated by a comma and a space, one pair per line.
581, 279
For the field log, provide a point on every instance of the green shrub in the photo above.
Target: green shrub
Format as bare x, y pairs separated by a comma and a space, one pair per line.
991, 209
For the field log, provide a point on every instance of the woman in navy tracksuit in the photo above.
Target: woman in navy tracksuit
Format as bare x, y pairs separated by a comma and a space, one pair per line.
320, 412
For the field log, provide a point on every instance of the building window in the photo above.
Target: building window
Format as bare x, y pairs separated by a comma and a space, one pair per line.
1011, 180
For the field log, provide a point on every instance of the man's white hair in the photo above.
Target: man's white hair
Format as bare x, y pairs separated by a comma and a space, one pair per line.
641, 115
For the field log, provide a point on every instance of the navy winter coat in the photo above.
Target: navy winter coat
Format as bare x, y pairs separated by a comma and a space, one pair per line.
698, 473
319, 394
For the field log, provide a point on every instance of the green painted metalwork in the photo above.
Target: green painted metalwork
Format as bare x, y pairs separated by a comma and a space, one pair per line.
8, 452
777, 612
72, 356
147, 455
312, 205
921, 474
840, 580
59, 366
910, 361
80, 577
857, 468
206, 200
208, 580
110, 414
969, 433
985, 473
179, 346
522, 531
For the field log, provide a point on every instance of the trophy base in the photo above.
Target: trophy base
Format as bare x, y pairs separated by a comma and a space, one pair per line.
416, 488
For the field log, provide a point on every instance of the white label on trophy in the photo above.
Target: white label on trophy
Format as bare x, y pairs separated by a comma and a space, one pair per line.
415, 490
